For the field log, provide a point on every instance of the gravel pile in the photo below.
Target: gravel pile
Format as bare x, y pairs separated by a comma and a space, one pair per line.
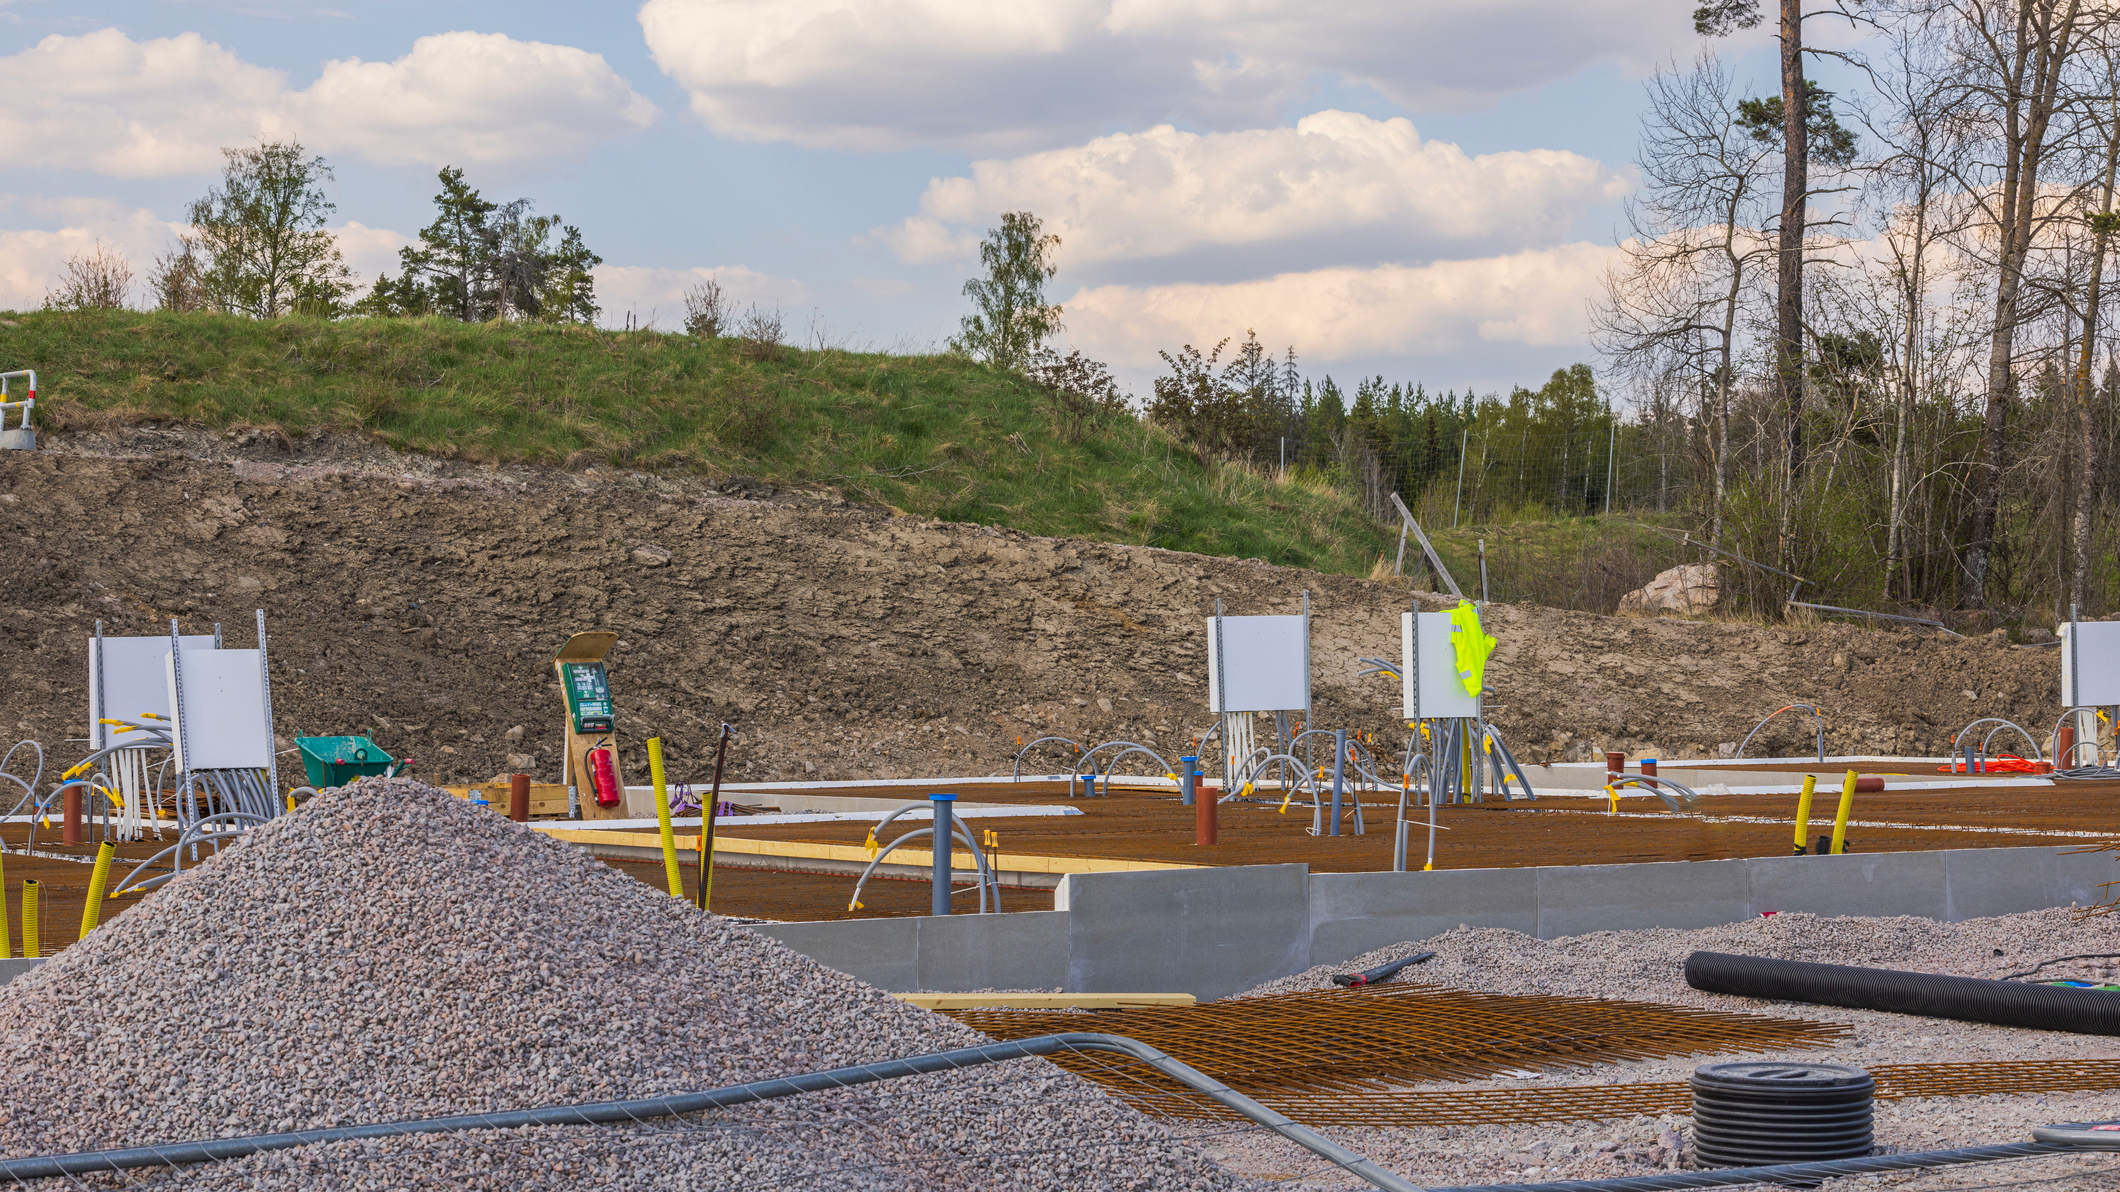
1648, 966
388, 952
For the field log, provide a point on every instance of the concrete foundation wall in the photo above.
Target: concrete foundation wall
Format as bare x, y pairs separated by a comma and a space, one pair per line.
1213, 932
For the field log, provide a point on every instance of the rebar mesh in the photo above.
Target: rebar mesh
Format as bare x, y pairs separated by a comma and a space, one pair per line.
1372, 1040
1474, 1107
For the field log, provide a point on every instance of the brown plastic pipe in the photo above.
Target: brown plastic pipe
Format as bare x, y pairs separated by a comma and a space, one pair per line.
1204, 804
70, 833
2064, 745
519, 798
1615, 765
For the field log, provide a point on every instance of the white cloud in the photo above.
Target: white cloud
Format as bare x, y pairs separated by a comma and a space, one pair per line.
657, 296
1335, 175
1536, 299
972, 74
144, 109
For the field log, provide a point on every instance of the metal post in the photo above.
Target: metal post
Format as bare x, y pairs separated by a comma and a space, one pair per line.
1188, 787
1339, 775
272, 746
1284, 456
1483, 571
939, 898
706, 824
1458, 502
1611, 453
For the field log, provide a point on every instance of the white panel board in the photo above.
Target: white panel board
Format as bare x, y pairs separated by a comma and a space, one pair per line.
222, 719
2097, 650
135, 679
1438, 694
1269, 664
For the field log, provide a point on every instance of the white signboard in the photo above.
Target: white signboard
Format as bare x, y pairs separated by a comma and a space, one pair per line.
1268, 660
222, 723
1428, 667
134, 682
2097, 650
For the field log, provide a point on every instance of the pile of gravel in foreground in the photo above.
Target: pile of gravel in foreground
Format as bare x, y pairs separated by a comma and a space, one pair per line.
390, 952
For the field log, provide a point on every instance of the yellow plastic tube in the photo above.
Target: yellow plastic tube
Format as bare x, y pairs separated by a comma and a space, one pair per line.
6, 945
1803, 815
662, 818
93, 912
1840, 821
1612, 794
29, 919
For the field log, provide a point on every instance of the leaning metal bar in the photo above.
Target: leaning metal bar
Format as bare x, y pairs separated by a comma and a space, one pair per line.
603, 1112
1857, 612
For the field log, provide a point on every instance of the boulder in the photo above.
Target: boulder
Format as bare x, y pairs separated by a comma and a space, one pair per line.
1686, 588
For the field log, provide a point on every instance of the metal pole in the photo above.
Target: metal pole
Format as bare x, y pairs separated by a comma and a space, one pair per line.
939, 898
1459, 501
272, 749
1339, 775
1483, 571
1611, 453
1284, 456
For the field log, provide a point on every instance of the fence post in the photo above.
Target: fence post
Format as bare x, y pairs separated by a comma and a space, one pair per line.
1611, 453
1459, 502
1284, 457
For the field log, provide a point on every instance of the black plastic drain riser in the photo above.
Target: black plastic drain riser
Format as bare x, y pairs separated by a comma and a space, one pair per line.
1967, 999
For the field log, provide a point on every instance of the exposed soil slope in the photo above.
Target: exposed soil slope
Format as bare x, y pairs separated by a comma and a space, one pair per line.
841, 641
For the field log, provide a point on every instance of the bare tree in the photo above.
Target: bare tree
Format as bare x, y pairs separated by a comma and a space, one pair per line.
2016, 87
95, 278
707, 312
178, 280
2103, 222
1673, 301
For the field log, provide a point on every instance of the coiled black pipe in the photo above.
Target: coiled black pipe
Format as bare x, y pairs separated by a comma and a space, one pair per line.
1968, 999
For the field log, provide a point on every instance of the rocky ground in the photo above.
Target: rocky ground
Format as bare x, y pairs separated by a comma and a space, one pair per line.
420, 603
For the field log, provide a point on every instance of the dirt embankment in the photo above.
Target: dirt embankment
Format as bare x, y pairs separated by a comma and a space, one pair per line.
423, 610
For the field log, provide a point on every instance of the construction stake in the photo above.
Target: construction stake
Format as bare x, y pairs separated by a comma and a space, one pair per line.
662, 818
706, 824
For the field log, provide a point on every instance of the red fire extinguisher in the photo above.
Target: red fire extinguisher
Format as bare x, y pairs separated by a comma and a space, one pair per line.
605, 778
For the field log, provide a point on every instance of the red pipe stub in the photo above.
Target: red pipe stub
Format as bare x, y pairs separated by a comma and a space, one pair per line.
1615, 762
519, 798
70, 830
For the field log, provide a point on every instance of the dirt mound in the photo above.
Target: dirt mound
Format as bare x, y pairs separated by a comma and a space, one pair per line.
841, 641
387, 952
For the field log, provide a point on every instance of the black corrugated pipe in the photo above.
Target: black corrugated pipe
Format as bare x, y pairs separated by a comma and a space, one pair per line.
1968, 999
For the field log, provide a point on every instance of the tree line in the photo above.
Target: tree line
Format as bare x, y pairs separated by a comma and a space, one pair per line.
1874, 325
257, 246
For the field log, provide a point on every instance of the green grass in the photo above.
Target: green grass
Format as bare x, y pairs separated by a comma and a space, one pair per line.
934, 435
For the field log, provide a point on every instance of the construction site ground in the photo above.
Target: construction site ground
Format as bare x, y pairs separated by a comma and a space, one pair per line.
1551, 830
419, 602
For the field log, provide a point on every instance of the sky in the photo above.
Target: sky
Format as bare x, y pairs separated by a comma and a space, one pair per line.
1423, 189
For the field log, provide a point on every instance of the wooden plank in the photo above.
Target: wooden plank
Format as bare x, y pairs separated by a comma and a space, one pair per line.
961, 861
1044, 1001
548, 800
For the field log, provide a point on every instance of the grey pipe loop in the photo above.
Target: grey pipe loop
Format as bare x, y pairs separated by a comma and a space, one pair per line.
1089, 754
987, 876
1288, 791
1017, 772
1801, 1175
1958, 741
1812, 709
1105, 775
1655, 786
191, 835
2060, 763
616, 1112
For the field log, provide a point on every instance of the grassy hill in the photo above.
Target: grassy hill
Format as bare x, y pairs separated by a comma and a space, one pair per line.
933, 435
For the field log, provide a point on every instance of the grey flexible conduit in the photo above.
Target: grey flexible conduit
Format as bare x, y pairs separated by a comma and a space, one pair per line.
1802, 1175
604, 1112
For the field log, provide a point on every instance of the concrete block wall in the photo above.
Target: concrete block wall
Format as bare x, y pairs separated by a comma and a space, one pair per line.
1213, 932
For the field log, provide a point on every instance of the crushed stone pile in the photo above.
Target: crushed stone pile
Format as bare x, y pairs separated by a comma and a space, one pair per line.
389, 952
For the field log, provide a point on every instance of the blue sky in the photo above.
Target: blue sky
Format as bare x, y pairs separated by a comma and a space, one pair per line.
1212, 166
